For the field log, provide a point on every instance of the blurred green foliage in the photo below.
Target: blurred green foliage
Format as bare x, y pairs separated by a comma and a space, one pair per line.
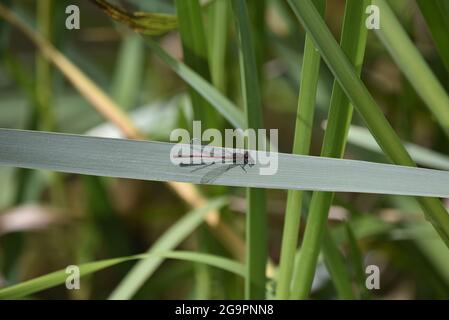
78, 219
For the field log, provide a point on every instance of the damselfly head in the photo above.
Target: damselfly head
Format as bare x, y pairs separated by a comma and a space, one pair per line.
248, 159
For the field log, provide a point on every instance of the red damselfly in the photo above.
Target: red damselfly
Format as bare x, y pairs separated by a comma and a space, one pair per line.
222, 160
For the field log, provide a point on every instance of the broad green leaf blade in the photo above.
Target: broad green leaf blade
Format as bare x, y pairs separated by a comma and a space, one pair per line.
168, 241
151, 161
58, 277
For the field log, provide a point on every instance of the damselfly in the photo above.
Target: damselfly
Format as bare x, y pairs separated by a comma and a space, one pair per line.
222, 159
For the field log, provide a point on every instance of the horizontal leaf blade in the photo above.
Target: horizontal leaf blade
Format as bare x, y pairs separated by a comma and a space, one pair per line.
151, 161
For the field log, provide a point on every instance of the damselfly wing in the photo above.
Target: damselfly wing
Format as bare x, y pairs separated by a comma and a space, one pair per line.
223, 160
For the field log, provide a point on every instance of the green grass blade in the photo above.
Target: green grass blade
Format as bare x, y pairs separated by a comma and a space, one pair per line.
223, 105
218, 18
43, 70
301, 145
350, 82
356, 258
432, 247
128, 71
353, 42
256, 13
365, 104
413, 65
256, 222
44, 91
195, 54
361, 137
435, 13
335, 263
143, 270
59, 277
202, 86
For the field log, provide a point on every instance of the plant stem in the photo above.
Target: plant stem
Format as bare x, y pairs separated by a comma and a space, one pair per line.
413, 65
256, 226
195, 53
301, 145
127, 80
380, 128
43, 69
353, 42
335, 263
435, 13
218, 18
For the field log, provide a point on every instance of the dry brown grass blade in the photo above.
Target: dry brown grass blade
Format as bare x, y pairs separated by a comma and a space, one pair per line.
98, 99
113, 113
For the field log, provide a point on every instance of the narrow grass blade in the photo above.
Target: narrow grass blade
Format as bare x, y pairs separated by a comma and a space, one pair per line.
196, 56
256, 222
256, 14
43, 70
143, 270
365, 226
353, 42
110, 110
365, 104
128, 71
223, 105
361, 137
59, 277
218, 20
335, 263
435, 13
303, 131
356, 258
413, 65
432, 247
85, 86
